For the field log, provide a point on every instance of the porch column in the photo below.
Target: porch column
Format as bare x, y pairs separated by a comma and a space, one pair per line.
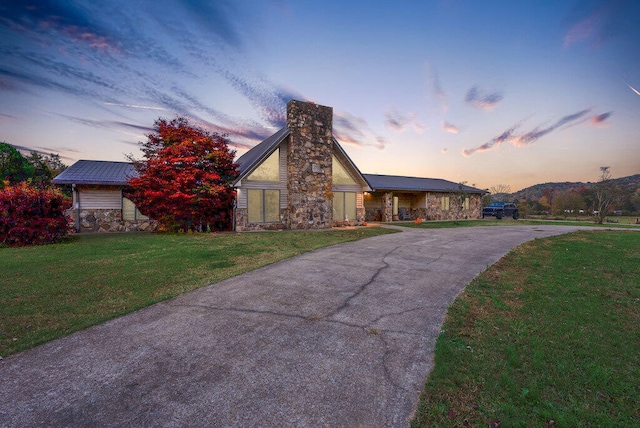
387, 209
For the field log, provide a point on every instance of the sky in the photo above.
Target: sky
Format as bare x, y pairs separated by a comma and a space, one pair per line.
483, 92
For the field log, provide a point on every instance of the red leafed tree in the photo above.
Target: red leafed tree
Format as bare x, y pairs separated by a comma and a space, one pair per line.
184, 179
32, 216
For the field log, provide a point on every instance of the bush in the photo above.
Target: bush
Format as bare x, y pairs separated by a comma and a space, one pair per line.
31, 216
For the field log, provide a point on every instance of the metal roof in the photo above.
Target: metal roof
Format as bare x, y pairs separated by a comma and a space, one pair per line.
416, 184
97, 172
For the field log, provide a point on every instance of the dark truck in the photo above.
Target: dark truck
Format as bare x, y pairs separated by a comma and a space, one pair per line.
501, 209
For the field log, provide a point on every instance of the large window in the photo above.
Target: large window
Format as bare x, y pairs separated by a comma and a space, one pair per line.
339, 173
269, 170
445, 202
264, 205
130, 212
344, 206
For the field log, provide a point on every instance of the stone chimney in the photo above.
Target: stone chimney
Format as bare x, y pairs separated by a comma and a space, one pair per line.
309, 182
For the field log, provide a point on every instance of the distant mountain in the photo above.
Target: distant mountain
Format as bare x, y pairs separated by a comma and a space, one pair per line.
535, 191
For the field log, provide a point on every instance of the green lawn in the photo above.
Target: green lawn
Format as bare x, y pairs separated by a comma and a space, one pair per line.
550, 335
50, 291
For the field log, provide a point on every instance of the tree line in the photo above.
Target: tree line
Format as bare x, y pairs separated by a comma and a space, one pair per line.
35, 168
603, 198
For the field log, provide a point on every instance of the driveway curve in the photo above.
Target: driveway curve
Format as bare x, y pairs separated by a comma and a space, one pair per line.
342, 336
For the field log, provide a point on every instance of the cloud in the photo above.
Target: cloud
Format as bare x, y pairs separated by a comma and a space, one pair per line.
601, 119
398, 122
133, 106
107, 124
101, 53
216, 17
481, 99
355, 131
395, 121
47, 150
522, 140
597, 23
133, 126
26, 79
436, 87
507, 135
46, 19
449, 127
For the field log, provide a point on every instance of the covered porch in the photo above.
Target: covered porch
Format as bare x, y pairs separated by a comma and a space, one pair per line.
397, 198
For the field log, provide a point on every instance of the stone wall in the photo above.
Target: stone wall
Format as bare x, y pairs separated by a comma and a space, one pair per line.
105, 220
309, 169
379, 207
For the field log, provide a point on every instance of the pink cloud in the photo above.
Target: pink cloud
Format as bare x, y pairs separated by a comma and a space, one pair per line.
449, 127
482, 99
398, 122
601, 119
582, 31
532, 136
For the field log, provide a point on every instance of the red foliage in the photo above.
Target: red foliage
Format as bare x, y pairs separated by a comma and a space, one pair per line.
31, 216
184, 181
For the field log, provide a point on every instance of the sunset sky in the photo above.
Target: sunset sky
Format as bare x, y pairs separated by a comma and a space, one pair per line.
486, 92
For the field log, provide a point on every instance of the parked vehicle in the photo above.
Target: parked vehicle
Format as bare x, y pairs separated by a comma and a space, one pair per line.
501, 209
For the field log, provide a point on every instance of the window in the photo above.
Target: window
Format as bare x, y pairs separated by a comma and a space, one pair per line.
466, 203
130, 212
269, 170
344, 206
263, 205
445, 203
339, 173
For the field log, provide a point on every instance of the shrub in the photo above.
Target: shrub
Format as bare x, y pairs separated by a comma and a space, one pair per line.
31, 216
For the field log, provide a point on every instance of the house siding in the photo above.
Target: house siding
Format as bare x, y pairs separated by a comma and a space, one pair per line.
99, 209
100, 199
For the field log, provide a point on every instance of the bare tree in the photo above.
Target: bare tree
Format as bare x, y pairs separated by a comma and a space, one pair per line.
605, 194
500, 189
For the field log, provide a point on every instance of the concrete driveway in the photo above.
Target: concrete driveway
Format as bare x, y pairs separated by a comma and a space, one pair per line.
342, 336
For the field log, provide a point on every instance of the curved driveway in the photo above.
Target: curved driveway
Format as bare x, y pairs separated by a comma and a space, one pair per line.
342, 336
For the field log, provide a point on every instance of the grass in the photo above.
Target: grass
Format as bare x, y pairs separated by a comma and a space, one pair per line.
506, 222
550, 335
47, 292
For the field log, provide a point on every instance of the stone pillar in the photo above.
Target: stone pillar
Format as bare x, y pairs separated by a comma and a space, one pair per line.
387, 213
309, 172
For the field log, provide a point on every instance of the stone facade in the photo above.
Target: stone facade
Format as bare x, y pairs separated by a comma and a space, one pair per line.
424, 205
309, 166
109, 220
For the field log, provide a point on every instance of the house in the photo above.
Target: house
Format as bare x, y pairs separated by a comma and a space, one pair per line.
99, 204
299, 178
